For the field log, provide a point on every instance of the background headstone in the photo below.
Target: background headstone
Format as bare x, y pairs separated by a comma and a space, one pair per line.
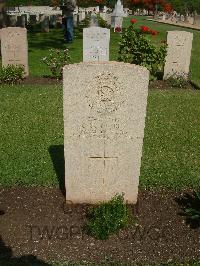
104, 119
33, 19
96, 44
21, 21
118, 21
12, 20
45, 23
117, 15
75, 20
178, 54
191, 20
52, 21
94, 20
14, 47
197, 20
108, 19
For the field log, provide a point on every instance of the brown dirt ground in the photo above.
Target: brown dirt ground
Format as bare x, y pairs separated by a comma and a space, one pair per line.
40, 81
37, 222
158, 84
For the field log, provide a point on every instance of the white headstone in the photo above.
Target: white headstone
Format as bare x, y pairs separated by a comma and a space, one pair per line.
164, 17
197, 20
178, 54
108, 18
104, 120
118, 10
75, 20
117, 15
83, 15
14, 47
96, 44
45, 23
118, 22
103, 15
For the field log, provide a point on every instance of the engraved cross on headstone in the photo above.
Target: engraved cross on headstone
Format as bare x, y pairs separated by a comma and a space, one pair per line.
104, 157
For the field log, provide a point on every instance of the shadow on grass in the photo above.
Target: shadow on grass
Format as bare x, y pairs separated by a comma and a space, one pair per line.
57, 156
189, 201
53, 39
7, 259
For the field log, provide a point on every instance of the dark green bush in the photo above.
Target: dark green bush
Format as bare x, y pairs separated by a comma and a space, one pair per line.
11, 74
84, 23
102, 23
108, 218
135, 48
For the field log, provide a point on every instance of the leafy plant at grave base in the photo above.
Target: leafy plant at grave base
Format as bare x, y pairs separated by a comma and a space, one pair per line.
102, 23
135, 48
194, 213
11, 74
108, 218
56, 60
177, 81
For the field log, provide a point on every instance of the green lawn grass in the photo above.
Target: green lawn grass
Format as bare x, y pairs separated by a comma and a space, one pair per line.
32, 125
40, 43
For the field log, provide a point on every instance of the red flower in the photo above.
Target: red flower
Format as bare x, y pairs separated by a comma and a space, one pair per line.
153, 32
144, 29
133, 21
118, 29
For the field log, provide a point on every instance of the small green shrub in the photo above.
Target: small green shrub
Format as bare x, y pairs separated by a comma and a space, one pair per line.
102, 23
194, 213
108, 218
85, 23
56, 60
135, 48
177, 81
11, 74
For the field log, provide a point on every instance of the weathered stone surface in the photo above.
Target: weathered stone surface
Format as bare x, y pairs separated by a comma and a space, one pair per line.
117, 22
108, 19
96, 44
14, 47
178, 54
104, 119
197, 20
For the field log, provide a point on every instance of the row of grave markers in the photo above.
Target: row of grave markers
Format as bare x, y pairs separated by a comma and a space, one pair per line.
14, 48
104, 113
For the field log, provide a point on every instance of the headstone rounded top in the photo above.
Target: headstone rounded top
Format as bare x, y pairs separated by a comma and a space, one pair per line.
13, 29
107, 63
180, 32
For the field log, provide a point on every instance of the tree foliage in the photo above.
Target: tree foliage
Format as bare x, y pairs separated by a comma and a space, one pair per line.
181, 6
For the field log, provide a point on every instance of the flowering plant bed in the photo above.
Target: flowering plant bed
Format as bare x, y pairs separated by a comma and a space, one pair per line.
135, 48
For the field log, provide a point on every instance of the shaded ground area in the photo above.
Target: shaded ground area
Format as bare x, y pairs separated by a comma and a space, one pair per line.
36, 221
40, 81
158, 84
